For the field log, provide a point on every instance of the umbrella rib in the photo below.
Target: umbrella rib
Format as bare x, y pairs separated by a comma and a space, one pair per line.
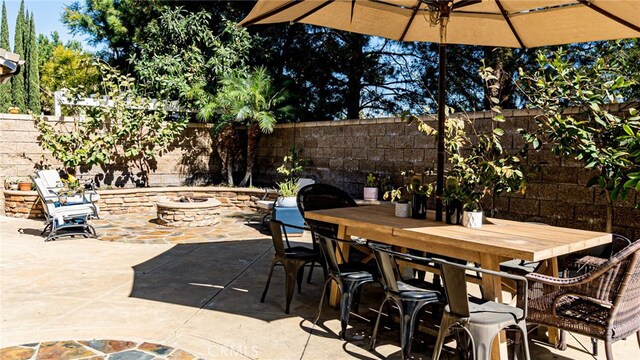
506, 18
413, 16
464, 3
273, 12
312, 11
604, 12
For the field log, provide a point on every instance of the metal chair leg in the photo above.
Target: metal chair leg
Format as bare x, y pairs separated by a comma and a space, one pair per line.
266, 287
372, 343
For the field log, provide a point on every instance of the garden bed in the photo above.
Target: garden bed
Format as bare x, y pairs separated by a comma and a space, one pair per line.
26, 204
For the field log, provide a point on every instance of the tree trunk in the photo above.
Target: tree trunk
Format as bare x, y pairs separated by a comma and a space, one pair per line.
253, 137
607, 194
227, 139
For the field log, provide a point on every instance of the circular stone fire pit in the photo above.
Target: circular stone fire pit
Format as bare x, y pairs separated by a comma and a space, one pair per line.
189, 212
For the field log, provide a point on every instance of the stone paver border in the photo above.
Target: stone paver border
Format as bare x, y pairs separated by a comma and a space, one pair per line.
94, 350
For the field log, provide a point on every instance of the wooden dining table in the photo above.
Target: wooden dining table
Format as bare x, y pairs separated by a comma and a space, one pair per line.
496, 241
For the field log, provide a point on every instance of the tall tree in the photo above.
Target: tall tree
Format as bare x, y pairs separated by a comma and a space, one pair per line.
5, 89
33, 74
18, 87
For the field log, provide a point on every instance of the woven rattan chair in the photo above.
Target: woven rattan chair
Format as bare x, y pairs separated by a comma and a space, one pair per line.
603, 303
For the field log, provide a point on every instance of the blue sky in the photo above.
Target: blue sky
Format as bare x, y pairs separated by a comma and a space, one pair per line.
47, 18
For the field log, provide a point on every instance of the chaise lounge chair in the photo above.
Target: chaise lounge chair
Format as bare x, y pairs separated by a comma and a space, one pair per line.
64, 220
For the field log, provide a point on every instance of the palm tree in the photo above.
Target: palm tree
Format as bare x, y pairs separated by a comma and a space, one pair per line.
247, 99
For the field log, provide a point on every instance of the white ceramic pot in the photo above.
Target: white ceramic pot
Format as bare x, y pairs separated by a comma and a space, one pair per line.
472, 219
370, 193
13, 186
403, 210
289, 201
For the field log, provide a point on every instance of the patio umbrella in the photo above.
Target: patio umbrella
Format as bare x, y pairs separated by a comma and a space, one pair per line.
504, 23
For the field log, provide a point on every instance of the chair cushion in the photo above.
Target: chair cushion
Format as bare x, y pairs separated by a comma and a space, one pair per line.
410, 292
492, 313
265, 204
300, 252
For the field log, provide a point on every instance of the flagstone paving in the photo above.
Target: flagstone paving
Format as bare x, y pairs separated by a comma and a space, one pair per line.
94, 350
143, 229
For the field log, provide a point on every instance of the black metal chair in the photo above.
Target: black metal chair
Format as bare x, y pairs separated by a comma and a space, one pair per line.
409, 296
481, 321
321, 197
292, 258
348, 276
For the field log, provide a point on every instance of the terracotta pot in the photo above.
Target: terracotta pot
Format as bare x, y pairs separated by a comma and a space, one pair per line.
13, 110
24, 186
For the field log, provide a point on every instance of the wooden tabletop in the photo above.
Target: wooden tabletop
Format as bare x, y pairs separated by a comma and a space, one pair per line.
504, 238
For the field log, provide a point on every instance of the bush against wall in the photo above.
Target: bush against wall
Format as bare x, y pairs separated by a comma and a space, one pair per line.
124, 128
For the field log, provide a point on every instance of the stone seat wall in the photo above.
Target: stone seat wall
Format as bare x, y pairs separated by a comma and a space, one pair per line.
26, 204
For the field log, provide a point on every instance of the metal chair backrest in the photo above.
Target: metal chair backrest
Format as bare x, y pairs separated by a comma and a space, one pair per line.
50, 178
455, 287
329, 249
389, 272
46, 197
276, 228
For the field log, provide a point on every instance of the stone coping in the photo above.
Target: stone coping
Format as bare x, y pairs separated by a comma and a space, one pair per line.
210, 202
257, 191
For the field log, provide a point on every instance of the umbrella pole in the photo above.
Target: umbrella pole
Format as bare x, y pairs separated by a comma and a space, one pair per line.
441, 104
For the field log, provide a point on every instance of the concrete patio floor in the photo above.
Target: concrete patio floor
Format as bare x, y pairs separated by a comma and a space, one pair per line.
200, 297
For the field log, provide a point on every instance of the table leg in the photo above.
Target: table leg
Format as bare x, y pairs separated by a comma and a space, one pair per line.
492, 290
552, 270
334, 295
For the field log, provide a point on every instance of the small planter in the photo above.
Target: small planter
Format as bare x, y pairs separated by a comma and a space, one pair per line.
13, 186
370, 193
419, 206
24, 186
472, 219
13, 110
403, 210
289, 201
454, 213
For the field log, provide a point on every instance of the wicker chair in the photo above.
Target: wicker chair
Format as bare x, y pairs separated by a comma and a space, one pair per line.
603, 303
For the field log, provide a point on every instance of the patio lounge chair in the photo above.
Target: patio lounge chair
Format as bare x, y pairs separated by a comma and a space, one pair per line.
481, 321
410, 297
65, 220
52, 180
603, 303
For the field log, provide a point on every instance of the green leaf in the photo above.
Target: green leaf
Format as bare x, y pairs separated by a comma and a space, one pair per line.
498, 131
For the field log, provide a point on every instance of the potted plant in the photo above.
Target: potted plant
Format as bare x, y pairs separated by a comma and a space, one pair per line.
400, 197
371, 188
11, 183
24, 184
288, 190
290, 169
420, 192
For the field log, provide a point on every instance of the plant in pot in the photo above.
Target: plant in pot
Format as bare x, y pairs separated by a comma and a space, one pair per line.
288, 190
24, 184
371, 188
420, 191
290, 169
11, 183
400, 197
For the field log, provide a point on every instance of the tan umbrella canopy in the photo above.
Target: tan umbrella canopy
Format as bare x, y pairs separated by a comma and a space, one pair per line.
504, 23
